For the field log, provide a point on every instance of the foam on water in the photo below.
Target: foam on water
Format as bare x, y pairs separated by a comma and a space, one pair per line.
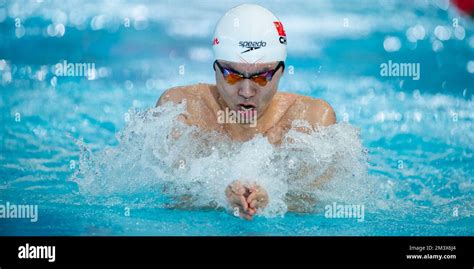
158, 154
420, 142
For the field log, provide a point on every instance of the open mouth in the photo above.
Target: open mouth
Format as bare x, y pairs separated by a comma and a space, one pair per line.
246, 107
247, 110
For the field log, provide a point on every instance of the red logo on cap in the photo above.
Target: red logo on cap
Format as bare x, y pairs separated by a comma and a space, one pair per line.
215, 41
279, 27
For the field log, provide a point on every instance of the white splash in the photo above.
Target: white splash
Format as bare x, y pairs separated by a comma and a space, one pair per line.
160, 155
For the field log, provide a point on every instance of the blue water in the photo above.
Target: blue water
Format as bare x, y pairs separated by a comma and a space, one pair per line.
80, 149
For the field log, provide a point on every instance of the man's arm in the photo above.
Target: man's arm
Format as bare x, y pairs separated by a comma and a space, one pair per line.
175, 95
318, 113
323, 115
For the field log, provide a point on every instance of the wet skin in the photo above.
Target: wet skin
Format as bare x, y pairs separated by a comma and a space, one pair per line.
275, 111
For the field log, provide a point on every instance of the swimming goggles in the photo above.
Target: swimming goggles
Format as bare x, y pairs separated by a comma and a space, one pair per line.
232, 76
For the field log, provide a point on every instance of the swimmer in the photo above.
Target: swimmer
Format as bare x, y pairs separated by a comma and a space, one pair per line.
249, 45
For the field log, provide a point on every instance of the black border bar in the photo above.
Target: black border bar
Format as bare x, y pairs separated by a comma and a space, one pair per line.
239, 250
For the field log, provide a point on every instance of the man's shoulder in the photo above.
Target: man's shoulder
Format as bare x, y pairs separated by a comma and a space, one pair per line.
188, 92
315, 111
314, 103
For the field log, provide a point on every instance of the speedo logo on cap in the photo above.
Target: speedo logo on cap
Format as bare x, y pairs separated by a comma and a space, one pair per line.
252, 45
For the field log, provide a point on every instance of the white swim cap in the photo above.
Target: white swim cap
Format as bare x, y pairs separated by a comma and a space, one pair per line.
249, 34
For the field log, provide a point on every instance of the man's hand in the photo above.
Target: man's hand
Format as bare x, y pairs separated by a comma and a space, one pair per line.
246, 199
258, 198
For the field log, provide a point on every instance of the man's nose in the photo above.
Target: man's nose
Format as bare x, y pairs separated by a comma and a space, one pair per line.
246, 90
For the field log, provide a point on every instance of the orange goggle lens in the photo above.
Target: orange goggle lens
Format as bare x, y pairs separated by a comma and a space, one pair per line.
233, 77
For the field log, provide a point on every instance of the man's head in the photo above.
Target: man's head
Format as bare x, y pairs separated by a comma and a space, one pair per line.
250, 49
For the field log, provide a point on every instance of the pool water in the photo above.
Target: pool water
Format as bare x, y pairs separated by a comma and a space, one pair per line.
93, 153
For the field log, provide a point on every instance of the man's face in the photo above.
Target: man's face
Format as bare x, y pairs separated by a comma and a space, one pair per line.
247, 95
